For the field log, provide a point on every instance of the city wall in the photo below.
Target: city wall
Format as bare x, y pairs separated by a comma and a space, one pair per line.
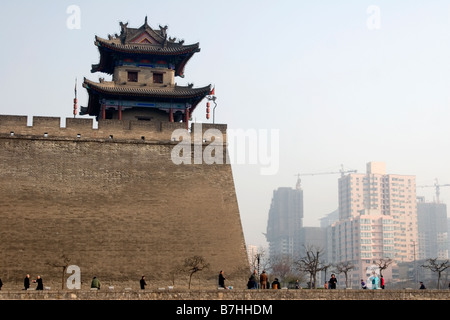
265, 295
111, 201
79, 128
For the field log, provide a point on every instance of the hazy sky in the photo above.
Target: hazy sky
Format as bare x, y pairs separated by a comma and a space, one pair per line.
331, 82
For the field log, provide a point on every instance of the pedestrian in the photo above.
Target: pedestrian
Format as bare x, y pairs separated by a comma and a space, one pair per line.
253, 281
363, 284
382, 282
95, 283
1, 284
333, 281
374, 281
26, 282
325, 286
297, 284
221, 280
40, 285
263, 280
143, 283
276, 284
422, 286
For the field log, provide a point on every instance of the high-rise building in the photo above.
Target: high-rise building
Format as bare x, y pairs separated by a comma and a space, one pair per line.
326, 223
433, 230
329, 219
252, 251
377, 218
285, 221
448, 235
311, 237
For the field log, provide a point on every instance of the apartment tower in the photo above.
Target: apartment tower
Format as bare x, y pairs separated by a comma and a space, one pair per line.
285, 222
433, 231
377, 219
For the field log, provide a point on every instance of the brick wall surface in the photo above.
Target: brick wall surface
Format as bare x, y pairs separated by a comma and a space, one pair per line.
117, 209
261, 295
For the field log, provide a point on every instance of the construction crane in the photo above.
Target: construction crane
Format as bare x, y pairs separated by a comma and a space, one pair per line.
437, 186
342, 172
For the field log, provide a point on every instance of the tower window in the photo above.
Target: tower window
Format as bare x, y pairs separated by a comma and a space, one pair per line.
157, 78
132, 76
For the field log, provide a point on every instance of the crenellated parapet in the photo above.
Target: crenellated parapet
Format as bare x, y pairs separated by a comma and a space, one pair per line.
78, 129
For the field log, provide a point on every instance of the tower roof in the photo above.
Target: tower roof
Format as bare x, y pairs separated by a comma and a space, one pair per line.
181, 92
170, 93
144, 42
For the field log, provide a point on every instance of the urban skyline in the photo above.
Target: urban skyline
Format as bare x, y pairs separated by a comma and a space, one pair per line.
433, 195
379, 219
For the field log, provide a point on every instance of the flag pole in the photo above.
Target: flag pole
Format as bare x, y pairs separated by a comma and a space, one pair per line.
75, 100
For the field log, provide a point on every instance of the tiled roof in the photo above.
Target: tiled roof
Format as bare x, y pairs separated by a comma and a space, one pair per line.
169, 49
143, 41
145, 91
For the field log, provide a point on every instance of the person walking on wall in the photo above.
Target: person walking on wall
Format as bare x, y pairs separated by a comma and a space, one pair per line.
95, 283
255, 278
143, 283
363, 284
26, 282
1, 284
333, 281
253, 281
263, 280
374, 281
276, 284
382, 282
221, 280
40, 285
422, 286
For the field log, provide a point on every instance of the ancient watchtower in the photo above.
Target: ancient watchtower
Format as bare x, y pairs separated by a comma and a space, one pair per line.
143, 63
110, 197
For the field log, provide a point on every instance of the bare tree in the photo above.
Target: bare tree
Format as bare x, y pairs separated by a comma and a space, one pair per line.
258, 261
64, 264
345, 267
174, 271
437, 266
193, 265
383, 264
311, 263
281, 266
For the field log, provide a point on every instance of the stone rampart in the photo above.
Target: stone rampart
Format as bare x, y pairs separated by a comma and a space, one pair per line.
79, 128
267, 295
113, 202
